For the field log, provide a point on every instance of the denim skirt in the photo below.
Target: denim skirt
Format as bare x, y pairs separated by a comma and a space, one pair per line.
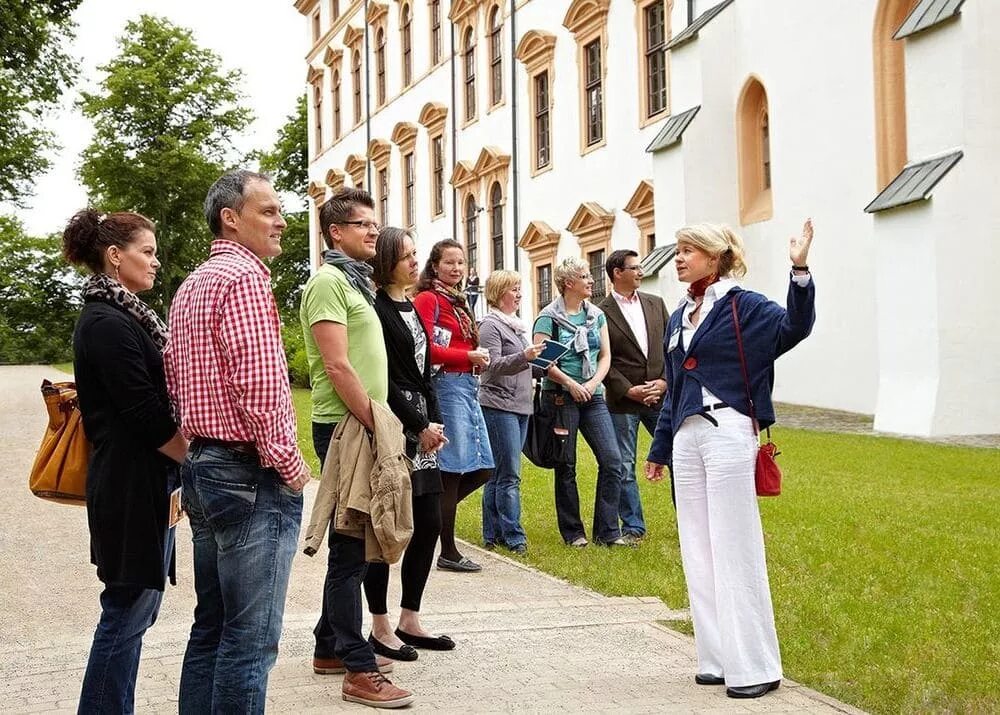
468, 447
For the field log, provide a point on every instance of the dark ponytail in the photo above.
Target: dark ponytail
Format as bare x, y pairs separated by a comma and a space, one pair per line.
89, 234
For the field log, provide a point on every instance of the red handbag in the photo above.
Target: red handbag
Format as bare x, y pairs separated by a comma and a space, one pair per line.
767, 474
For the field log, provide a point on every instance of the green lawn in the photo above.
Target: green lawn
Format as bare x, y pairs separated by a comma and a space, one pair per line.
883, 560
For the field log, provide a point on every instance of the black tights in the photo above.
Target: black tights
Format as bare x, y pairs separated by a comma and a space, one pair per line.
456, 488
417, 559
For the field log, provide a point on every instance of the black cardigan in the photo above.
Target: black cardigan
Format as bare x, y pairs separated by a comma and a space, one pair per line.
403, 372
126, 416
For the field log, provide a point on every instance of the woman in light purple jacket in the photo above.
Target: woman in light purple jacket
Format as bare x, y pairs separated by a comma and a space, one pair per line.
505, 396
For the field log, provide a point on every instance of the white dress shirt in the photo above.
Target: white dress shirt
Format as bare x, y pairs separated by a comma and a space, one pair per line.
632, 310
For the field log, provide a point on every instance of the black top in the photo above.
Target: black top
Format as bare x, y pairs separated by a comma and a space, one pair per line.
405, 376
127, 417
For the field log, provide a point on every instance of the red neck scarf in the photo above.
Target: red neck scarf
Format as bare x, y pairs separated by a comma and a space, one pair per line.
698, 288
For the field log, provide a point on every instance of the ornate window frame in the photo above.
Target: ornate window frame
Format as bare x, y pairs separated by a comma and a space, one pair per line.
315, 81
641, 7
432, 117
540, 241
641, 207
406, 43
404, 136
379, 152
536, 51
495, 46
588, 21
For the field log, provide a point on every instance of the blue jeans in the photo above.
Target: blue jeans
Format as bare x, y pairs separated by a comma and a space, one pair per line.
245, 527
126, 612
627, 433
502, 494
593, 420
339, 629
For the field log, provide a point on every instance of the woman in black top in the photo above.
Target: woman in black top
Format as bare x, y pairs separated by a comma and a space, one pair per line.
127, 417
412, 400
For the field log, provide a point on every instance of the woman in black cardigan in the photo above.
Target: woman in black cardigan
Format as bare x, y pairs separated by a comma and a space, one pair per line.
412, 400
136, 444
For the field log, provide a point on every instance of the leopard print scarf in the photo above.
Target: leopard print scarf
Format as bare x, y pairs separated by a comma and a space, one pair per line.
101, 286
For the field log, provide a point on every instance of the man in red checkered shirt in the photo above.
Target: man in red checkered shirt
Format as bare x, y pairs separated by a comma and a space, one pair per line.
244, 474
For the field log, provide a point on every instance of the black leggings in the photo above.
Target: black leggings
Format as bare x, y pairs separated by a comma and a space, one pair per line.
417, 559
456, 488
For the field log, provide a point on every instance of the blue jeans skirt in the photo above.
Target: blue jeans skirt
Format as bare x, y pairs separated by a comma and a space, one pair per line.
468, 447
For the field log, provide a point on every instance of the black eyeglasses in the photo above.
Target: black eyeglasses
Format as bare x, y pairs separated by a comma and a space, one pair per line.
366, 225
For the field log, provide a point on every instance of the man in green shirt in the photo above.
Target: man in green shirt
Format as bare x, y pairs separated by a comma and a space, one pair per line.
348, 368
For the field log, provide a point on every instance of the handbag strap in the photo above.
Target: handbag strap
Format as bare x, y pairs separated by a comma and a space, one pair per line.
743, 366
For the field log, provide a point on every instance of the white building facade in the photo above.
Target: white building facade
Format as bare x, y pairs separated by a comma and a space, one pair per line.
521, 129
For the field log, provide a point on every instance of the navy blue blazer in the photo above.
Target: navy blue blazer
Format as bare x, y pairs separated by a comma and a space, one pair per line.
712, 360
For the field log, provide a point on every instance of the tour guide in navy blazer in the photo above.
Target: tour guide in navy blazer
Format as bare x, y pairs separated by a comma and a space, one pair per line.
706, 436
768, 332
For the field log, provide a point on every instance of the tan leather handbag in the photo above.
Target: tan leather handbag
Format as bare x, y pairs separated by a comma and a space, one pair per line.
59, 473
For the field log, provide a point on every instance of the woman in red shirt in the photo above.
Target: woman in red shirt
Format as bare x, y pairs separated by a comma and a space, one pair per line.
466, 462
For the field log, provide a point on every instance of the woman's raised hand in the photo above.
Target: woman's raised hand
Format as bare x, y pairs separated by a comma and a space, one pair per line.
798, 248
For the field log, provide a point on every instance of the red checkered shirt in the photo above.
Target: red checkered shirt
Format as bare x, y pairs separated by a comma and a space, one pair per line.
225, 363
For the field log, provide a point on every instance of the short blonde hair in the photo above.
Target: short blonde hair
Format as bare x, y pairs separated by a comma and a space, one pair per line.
498, 283
569, 269
720, 242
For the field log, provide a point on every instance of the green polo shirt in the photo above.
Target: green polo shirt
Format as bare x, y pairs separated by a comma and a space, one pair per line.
328, 295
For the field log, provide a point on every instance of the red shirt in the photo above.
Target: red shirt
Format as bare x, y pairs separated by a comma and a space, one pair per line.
225, 363
455, 357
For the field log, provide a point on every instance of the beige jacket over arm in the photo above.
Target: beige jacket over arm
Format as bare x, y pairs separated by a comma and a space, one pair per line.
366, 484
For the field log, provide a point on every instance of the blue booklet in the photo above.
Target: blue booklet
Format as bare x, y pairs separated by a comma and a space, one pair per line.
550, 354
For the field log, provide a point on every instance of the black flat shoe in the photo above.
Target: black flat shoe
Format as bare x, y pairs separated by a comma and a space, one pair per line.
752, 691
407, 652
463, 565
709, 679
430, 643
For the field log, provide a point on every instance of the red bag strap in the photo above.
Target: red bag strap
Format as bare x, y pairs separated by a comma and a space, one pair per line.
743, 366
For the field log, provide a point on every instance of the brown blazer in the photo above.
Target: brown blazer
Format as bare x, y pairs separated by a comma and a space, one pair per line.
628, 365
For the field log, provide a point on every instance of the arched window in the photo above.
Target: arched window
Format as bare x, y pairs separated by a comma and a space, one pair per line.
471, 240
318, 115
407, 42
336, 105
469, 57
754, 139
496, 57
380, 67
496, 225
889, 62
356, 84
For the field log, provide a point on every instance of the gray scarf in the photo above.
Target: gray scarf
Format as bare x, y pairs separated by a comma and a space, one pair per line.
359, 273
556, 310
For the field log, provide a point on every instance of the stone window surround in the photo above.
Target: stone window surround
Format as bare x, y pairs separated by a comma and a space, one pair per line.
536, 51
640, 28
588, 21
756, 202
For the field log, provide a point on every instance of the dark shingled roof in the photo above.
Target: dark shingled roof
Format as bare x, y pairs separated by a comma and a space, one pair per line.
691, 31
673, 128
658, 258
914, 182
928, 13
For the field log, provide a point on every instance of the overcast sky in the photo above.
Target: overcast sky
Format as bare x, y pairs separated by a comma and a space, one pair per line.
263, 38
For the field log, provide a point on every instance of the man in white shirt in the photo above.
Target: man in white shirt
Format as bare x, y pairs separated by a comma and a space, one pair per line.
634, 384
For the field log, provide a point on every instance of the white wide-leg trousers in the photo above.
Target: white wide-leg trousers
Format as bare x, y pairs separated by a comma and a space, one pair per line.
722, 549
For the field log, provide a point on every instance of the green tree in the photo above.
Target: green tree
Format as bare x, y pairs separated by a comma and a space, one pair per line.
164, 123
286, 162
34, 72
39, 298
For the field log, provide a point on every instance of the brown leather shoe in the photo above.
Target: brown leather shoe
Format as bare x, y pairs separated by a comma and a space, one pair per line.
374, 690
335, 666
